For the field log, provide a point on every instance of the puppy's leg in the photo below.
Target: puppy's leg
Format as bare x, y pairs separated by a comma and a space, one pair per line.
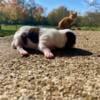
17, 43
22, 51
46, 51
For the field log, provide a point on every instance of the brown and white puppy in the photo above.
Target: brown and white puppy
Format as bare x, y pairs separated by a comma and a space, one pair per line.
43, 39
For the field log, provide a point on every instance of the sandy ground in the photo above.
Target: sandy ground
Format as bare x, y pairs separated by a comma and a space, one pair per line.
72, 75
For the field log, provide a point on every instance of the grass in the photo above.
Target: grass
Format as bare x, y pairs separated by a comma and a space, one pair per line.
7, 30
90, 28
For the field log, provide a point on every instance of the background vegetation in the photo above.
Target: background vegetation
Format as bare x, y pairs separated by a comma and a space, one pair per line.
14, 13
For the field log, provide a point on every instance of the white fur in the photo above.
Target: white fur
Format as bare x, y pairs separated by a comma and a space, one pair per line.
52, 38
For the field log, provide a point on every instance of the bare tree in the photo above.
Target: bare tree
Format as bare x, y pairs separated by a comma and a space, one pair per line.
93, 3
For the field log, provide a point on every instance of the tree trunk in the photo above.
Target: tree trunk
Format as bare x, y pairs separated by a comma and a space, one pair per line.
0, 26
16, 27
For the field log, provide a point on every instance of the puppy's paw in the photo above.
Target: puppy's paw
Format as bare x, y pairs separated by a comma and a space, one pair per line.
49, 55
24, 53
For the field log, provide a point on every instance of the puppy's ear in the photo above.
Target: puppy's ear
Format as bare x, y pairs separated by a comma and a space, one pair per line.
71, 39
24, 38
33, 35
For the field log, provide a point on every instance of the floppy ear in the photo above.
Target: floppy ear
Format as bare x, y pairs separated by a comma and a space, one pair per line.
71, 39
33, 35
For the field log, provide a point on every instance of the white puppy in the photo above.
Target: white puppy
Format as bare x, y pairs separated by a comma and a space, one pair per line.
43, 39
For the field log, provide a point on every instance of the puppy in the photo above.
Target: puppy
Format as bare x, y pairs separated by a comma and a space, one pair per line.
66, 22
43, 39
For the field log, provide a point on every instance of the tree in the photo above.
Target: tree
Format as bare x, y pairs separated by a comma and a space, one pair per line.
13, 11
93, 3
16, 11
93, 18
38, 14
56, 15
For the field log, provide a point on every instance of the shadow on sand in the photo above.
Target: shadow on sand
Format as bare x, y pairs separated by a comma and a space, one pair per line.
72, 52
65, 53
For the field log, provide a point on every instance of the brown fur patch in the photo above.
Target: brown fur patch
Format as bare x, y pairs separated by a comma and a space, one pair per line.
33, 35
34, 30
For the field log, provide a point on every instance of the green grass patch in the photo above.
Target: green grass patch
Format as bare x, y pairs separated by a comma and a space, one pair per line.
92, 28
7, 30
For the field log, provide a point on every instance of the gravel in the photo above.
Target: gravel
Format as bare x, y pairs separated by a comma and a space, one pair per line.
71, 75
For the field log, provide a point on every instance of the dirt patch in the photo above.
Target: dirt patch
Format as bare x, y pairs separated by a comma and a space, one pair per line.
72, 75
